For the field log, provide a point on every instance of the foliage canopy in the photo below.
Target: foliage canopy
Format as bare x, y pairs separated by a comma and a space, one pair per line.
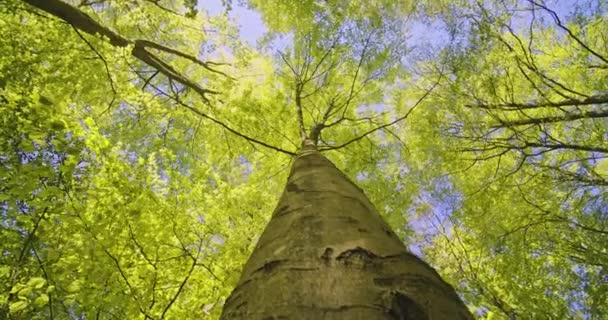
143, 144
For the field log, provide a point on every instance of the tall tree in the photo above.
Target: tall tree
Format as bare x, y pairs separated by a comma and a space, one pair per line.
344, 261
522, 175
144, 143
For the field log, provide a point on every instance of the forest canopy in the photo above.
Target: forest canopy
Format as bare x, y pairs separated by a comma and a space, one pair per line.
144, 145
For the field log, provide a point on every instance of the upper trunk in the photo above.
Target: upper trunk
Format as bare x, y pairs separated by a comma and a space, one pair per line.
327, 254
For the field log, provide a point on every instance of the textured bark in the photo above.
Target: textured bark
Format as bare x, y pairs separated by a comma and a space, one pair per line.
327, 254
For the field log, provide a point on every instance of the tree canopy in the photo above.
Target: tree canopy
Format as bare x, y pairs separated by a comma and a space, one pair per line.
144, 144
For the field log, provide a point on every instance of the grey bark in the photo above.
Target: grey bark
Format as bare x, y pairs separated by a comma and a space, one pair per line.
327, 254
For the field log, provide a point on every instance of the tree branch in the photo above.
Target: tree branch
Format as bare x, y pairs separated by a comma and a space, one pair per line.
82, 21
569, 116
105, 63
158, 46
179, 290
222, 124
593, 100
570, 33
387, 124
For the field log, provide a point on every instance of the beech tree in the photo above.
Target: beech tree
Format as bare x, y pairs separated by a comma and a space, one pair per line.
144, 145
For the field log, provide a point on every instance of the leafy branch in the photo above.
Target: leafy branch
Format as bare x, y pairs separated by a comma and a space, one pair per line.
204, 115
82, 21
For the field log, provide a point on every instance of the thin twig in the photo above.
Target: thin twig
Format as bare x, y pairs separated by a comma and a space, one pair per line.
387, 124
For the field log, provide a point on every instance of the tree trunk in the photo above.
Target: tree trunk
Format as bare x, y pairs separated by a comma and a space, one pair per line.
327, 254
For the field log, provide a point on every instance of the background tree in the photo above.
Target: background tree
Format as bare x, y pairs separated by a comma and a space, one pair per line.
524, 141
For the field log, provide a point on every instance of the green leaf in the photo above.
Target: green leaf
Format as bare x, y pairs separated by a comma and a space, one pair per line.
18, 306
41, 300
36, 282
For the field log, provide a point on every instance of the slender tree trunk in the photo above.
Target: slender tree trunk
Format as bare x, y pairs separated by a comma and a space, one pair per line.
327, 254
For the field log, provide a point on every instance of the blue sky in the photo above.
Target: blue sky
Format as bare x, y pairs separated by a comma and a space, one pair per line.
250, 23
252, 27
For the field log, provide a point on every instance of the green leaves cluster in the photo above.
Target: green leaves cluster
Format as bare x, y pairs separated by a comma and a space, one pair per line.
114, 202
520, 130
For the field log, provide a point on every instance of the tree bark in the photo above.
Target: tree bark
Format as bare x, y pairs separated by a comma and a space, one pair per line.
327, 254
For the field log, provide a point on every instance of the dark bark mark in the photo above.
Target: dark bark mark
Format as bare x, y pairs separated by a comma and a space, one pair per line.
302, 269
292, 187
410, 280
403, 279
308, 219
404, 308
390, 233
349, 219
326, 257
283, 210
269, 266
440, 284
357, 255
242, 304
344, 309
415, 280
362, 230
